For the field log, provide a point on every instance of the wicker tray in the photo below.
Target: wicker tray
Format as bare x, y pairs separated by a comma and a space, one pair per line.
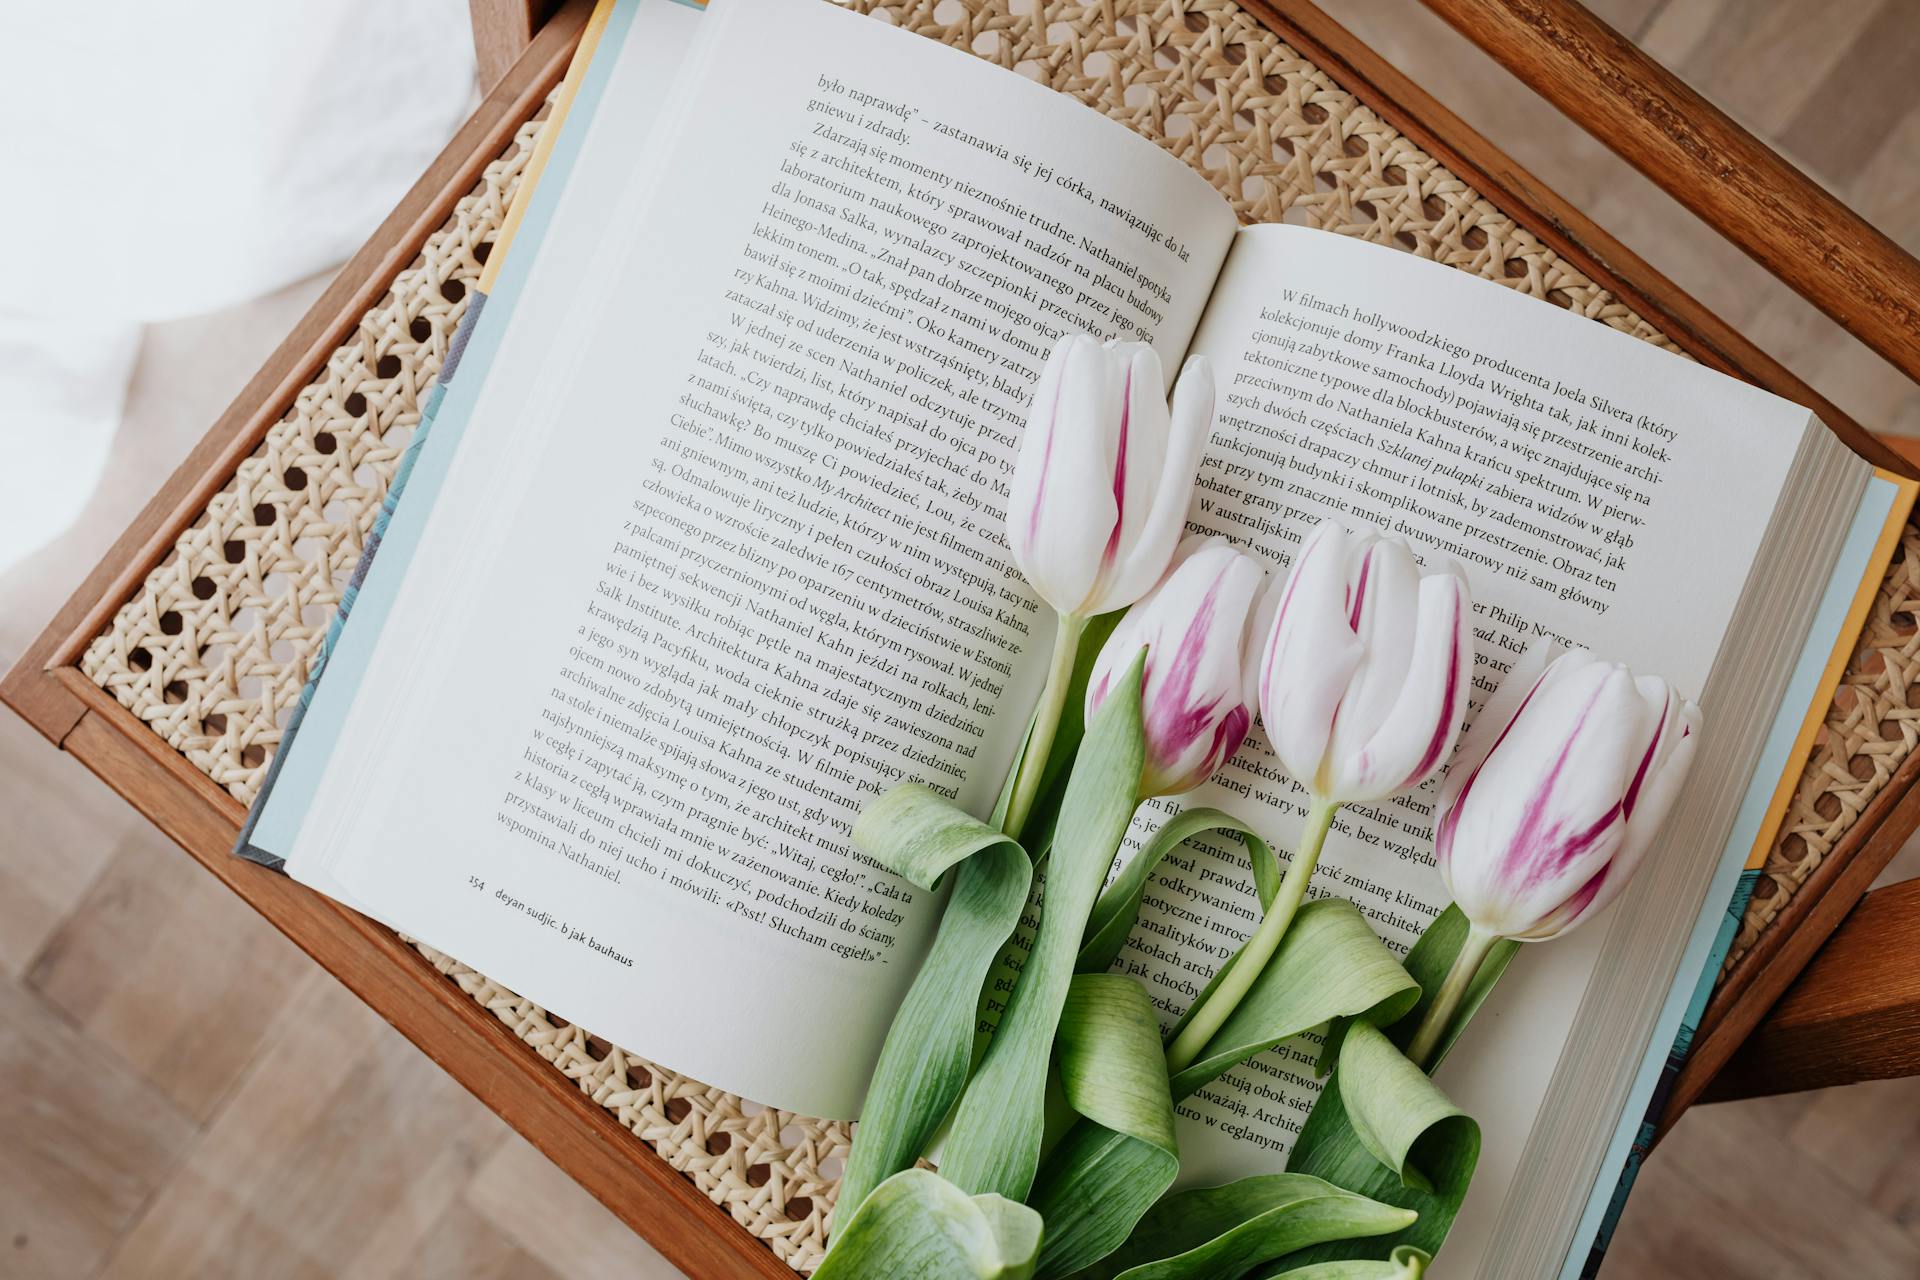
212, 649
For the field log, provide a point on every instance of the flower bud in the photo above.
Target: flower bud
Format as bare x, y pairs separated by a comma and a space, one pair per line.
1105, 474
1197, 697
1559, 790
1364, 679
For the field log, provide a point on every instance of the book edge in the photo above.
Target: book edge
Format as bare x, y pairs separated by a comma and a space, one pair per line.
571, 88
1869, 547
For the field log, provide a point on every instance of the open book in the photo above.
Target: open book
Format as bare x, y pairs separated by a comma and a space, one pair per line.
706, 550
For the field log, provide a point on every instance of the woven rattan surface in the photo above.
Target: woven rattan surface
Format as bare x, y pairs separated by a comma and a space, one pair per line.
213, 649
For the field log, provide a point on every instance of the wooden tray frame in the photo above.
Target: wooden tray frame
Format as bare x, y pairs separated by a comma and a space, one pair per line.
617, 1167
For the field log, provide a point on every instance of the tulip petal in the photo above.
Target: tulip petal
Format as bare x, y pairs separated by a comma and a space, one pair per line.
1193, 627
1418, 732
1383, 610
1142, 555
1663, 771
1311, 653
1062, 511
1559, 792
1035, 461
1141, 457
1259, 627
1487, 727
1544, 813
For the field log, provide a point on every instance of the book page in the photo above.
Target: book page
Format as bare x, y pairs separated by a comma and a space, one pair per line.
745, 569
1593, 488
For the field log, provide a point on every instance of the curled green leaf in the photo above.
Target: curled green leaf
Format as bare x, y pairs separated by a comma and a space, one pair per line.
1405, 1263
1110, 1067
918, 1224
918, 834
997, 1128
923, 1066
1391, 1104
1222, 1231
1442, 1145
1119, 907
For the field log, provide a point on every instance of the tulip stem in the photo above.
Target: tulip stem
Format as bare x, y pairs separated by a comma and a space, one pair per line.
1446, 1002
1046, 722
1252, 959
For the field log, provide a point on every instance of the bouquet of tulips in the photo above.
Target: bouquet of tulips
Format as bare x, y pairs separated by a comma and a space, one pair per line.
1059, 1148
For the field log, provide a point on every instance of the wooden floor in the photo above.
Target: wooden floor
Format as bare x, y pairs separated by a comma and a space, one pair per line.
183, 1094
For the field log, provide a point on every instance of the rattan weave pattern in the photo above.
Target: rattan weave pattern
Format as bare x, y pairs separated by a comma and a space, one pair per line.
212, 650
1870, 730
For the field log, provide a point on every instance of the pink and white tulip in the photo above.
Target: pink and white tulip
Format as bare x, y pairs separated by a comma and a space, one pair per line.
1198, 628
1105, 473
1362, 682
1559, 791
1365, 675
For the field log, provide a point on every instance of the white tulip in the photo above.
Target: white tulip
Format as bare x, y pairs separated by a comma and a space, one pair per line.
1367, 665
1105, 473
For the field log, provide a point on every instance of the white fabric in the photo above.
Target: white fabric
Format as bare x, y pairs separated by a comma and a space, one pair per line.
162, 160
63, 384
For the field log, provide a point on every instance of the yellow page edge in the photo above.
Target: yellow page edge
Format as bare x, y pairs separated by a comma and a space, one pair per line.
1836, 667
549, 136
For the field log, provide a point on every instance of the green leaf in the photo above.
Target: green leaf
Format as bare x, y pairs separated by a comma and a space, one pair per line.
1441, 1144
1111, 1070
923, 1065
1110, 1065
1407, 1263
1391, 1104
1222, 1231
994, 1145
931, 1045
1092, 1191
1099, 1181
1038, 836
1329, 965
1067, 737
917, 1224
1119, 907
918, 834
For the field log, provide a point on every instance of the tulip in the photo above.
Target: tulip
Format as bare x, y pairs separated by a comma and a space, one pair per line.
1105, 473
1100, 495
1197, 627
1367, 667
1553, 803
1362, 687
